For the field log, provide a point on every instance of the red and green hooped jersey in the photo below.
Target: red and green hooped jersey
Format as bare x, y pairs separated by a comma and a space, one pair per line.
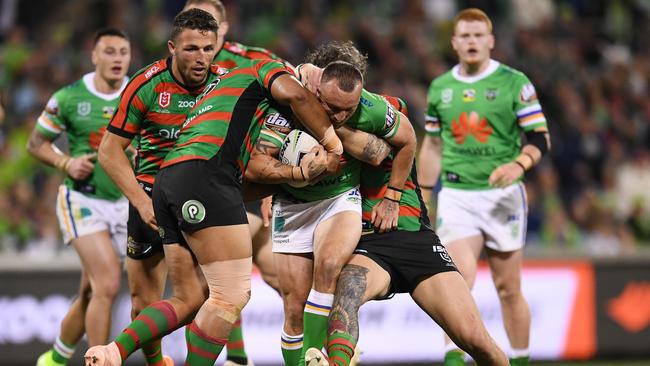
228, 116
480, 120
82, 113
234, 54
374, 181
276, 127
153, 107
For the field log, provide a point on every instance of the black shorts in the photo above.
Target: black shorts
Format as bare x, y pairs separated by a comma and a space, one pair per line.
254, 207
193, 195
142, 241
408, 256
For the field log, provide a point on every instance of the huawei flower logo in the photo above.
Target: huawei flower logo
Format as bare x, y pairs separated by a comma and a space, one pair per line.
472, 125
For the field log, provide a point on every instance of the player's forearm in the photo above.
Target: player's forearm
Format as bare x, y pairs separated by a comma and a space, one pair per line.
364, 146
429, 162
532, 152
268, 170
402, 164
117, 166
46, 152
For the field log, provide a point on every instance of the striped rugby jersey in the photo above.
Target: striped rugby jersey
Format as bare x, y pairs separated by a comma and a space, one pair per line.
82, 112
234, 54
228, 116
480, 120
153, 107
374, 181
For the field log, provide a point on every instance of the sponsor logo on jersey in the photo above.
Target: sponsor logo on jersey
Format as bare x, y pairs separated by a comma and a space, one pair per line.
169, 133
528, 93
108, 111
469, 95
52, 106
452, 177
391, 117
193, 211
277, 123
152, 70
470, 125
491, 94
83, 108
208, 88
446, 95
442, 252
366, 102
186, 103
164, 99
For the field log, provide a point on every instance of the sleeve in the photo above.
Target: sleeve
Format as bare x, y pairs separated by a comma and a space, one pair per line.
391, 121
51, 123
526, 105
431, 118
275, 129
131, 110
267, 71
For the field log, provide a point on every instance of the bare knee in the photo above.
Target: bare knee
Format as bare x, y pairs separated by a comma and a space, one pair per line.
106, 287
327, 270
508, 292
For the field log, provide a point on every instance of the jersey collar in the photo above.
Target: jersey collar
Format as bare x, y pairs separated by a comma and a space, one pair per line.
90, 85
492, 67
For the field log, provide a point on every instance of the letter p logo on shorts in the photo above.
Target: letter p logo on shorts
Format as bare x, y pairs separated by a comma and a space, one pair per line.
193, 211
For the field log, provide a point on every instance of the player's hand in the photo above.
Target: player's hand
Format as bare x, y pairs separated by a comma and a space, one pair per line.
267, 210
504, 175
82, 166
314, 163
384, 216
145, 209
310, 76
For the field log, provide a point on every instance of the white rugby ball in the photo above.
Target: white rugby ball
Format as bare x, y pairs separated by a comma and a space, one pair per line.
296, 145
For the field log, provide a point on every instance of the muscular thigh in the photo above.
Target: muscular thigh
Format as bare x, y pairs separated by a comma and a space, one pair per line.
294, 273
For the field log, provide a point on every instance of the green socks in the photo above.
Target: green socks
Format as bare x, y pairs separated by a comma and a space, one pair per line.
454, 358
292, 349
61, 351
340, 348
154, 322
202, 350
235, 345
317, 311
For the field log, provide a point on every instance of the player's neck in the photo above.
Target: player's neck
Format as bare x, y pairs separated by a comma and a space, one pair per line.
106, 86
474, 68
178, 76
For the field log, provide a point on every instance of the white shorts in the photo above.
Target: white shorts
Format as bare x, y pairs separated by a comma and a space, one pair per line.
294, 223
81, 215
499, 215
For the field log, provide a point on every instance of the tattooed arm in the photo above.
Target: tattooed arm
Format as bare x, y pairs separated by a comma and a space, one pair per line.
264, 167
364, 146
351, 286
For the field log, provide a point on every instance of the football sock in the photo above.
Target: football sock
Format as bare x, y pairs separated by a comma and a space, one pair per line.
202, 350
235, 345
153, 353
454, 358
340, 348
519, 357
292, 349
61, 351
154, 322
317, 311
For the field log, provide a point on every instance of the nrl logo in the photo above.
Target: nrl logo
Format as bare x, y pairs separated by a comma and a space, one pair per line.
446, 95
83, 108
164, 99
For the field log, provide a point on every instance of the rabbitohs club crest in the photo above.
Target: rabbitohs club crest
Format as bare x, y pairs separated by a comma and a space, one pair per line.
83, 108
164, 99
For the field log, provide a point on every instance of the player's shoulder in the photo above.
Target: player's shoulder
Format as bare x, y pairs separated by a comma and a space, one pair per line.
149, 72
442, 79
510, 72
249, 52
370, 100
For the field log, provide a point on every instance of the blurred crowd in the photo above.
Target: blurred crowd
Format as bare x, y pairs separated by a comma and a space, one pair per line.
589, 60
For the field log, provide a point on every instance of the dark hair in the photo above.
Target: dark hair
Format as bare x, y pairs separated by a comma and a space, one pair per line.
338, 51
195, 19
110, 31
346, 74
217, 4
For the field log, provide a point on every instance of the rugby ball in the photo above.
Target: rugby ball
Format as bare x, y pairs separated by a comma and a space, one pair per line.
295, 146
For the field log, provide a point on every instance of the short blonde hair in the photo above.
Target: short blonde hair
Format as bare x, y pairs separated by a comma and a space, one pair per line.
216, 3
473, 14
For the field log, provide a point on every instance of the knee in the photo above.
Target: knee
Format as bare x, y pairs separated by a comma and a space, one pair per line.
108, 287
327, 270
475, 341
508, 292
229, 284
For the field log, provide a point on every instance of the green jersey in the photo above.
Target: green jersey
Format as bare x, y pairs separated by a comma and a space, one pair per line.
374, 182
228, 116
153, 107
480, 120
276, 127
82, 113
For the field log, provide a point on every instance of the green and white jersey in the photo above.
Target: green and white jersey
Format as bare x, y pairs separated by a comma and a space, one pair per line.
276, 127
480, 120
82, 113
375, 115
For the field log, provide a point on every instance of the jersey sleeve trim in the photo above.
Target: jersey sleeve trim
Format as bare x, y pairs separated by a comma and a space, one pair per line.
272, 137
531, 115
49, 125
120, 132
271, 78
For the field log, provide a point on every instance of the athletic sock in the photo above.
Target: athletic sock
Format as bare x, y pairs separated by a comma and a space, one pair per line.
235, 345
317, 311
61, 351
292, 349
153, 353
519, 357
454, 357
202, 349
340, 348
154, 322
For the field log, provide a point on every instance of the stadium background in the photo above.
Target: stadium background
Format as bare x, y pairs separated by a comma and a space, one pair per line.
590, 61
